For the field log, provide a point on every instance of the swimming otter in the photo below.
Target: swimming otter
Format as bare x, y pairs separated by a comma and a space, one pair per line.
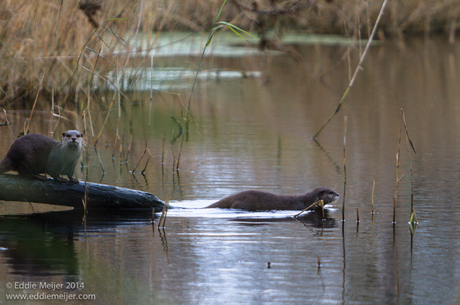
33, 154
263, 201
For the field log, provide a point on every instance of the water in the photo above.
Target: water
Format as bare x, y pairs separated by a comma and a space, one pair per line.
255, 133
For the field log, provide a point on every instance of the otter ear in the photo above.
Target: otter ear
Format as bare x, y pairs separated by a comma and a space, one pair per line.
63, 134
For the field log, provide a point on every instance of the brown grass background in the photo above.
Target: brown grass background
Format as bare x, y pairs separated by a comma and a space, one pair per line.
42, 40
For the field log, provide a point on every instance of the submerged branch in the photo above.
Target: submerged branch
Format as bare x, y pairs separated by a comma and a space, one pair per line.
99, 196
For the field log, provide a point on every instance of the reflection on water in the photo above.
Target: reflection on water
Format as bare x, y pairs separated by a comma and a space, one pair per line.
34, 243
255, 133
196, 209
29, 250
146, 79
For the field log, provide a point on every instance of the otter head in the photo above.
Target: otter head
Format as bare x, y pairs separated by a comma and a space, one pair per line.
326, 194
72, 138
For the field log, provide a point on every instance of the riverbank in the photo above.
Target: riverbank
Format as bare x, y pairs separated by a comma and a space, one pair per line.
55, 46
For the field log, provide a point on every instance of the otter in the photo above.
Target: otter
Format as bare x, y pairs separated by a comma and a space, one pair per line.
34, 154
263, 201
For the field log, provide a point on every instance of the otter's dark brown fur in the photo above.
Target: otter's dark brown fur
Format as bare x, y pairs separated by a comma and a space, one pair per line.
263, 201
34, 154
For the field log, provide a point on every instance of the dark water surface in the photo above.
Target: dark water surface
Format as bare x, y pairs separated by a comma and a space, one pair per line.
255, 133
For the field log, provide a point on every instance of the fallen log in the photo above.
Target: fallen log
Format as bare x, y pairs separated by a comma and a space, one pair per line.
100, 196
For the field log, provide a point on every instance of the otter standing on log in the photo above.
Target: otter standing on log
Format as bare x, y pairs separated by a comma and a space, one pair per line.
263, 201
34, 154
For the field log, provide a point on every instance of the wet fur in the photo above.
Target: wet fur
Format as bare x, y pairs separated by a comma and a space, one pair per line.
35, 154
263, 201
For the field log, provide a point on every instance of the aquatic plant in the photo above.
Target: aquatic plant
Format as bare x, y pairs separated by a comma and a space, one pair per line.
314, 206
373, 189
398, 178
358, 68
213, 32
410, 146
344, 167
413, 217
164, 213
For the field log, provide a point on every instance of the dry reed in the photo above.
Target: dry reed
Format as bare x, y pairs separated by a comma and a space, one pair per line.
145, 167
358, 67
164, 213
410, 146
344, 167
413, 216
398, 178
57, 40
146, 150
313, 206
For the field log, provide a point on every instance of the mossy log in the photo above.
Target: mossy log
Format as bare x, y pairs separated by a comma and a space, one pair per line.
100, 196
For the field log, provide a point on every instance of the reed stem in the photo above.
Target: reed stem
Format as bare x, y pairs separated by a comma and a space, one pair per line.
162, 221
211, 34
398, 153
358, 67
409, 144
344, 167
373, 189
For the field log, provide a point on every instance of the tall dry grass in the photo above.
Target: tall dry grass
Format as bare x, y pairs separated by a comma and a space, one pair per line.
51, 45
401, 17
